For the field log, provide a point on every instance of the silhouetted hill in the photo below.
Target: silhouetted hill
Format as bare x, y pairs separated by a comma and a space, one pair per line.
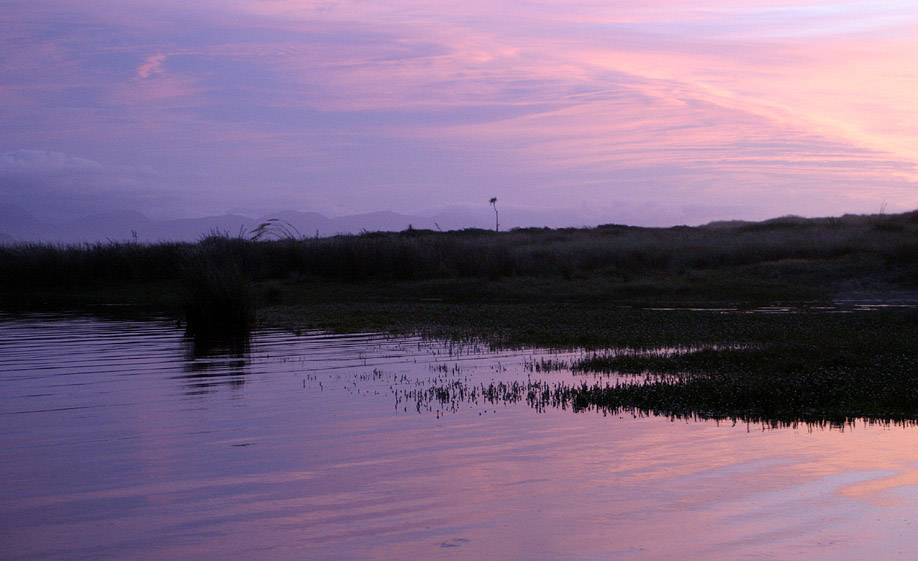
17, 224
116, 226
379, 222
191, 229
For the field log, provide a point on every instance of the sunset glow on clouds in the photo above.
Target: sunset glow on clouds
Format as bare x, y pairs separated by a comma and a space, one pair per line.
700, 110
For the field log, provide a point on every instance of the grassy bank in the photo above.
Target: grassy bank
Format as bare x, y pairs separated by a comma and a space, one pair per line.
612, 287
783, 259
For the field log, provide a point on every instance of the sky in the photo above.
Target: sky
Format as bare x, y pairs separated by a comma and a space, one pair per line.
651, 112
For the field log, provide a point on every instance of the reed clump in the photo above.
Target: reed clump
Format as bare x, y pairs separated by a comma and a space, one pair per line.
218, 298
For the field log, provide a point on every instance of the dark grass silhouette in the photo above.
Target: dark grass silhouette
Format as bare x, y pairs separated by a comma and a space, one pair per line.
807, 250
218, 299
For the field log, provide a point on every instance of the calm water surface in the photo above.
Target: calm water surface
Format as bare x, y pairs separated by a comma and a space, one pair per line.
118, 440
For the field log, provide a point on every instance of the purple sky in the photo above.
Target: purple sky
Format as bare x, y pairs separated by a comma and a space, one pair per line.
648, 112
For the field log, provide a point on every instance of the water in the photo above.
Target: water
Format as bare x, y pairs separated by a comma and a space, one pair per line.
119, 441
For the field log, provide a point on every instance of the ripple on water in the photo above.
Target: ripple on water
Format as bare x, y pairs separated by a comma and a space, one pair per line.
120, 439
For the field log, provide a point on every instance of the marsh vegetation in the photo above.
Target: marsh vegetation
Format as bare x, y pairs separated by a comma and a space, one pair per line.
790, 257
683, 294
798, 366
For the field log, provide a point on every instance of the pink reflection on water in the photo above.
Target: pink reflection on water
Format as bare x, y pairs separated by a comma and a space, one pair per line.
311, 458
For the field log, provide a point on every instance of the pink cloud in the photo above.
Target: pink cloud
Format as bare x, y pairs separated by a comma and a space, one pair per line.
153, 65
818, 85
601, 99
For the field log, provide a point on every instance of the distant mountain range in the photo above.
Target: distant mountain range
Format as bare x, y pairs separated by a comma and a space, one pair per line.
18, 225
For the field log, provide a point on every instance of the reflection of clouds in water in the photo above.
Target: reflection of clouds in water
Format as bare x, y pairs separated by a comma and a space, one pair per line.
314, 456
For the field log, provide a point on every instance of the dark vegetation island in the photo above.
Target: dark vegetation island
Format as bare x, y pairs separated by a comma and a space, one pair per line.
780, 321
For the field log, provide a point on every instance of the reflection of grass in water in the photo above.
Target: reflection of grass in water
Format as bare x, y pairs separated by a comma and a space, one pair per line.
545, 365
737, 398
806, 367
630, 361
774, 368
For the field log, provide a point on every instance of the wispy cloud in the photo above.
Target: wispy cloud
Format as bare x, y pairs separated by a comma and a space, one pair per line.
399, 104
153, 65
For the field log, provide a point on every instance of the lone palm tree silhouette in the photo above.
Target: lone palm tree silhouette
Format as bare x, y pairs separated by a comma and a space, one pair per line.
496, 223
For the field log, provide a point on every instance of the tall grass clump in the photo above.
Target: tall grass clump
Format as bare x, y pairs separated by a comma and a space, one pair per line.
218, 298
